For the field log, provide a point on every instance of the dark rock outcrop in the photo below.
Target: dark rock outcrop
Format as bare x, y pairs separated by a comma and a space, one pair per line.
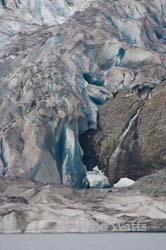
132, 136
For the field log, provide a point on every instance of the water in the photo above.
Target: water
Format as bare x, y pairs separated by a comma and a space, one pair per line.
123, 136
119, 241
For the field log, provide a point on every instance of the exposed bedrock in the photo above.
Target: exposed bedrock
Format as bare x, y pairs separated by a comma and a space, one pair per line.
131, 139
62, 60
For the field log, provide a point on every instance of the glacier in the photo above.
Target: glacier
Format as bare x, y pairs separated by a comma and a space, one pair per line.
59, 62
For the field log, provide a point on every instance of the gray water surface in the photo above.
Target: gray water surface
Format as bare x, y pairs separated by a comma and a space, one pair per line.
114, 241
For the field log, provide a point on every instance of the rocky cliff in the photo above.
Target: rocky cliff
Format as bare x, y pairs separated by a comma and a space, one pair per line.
131, 139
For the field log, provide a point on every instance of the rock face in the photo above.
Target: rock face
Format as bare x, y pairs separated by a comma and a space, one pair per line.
132, 136
59, 62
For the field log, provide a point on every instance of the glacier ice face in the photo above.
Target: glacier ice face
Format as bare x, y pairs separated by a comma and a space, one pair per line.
43, 11
59, 62
74, 172
29, 15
